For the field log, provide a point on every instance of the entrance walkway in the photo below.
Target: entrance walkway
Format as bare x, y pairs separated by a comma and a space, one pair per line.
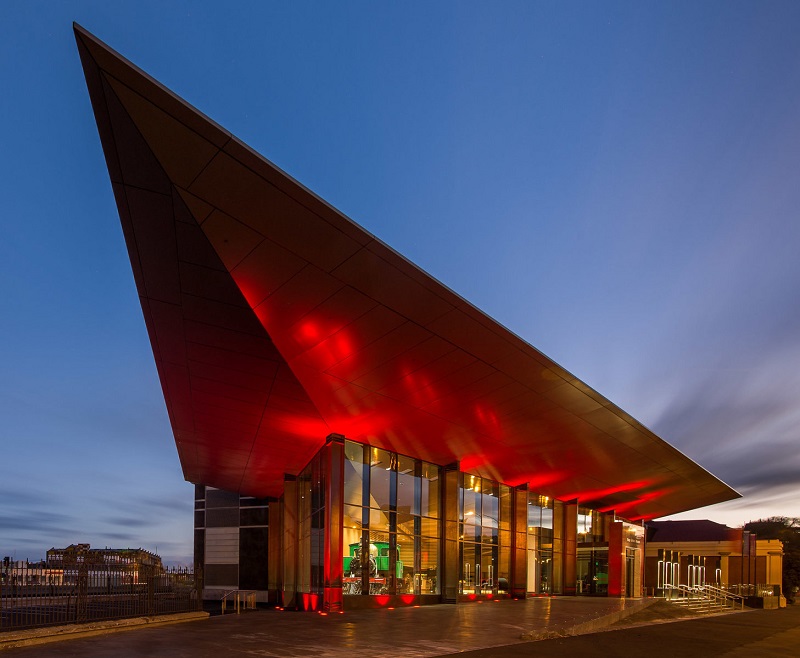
482, 630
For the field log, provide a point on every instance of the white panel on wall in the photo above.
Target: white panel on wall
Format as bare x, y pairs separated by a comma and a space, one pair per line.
222, 545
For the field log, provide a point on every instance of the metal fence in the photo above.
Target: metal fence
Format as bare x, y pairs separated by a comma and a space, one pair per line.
33, 595
755, 590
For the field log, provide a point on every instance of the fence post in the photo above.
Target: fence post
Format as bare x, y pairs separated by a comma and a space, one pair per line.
82, 601
151, 589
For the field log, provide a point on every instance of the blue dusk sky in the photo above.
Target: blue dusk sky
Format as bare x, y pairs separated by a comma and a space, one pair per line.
616, 182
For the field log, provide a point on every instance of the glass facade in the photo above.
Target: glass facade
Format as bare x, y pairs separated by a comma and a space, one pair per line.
311, 527
540, 544
592, 552
485, 536
391, 523
362, 521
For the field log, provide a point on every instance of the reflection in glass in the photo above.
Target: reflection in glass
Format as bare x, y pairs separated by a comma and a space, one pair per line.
380, 475
389, 548
540, 544
429, 494
481, 569
407, 486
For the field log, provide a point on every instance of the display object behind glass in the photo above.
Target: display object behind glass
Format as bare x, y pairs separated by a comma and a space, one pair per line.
391, 523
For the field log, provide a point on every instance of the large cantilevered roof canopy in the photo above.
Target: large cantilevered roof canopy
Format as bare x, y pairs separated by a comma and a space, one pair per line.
275, 321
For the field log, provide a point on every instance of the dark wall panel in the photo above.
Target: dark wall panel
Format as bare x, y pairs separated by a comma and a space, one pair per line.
225, 517
253, 516
253, 547
221, 575
219, 498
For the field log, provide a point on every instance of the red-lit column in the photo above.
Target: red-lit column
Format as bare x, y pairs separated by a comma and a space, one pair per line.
451, 502
616, 559
333, 464
274, 551
289, 543
570, 547
519, 545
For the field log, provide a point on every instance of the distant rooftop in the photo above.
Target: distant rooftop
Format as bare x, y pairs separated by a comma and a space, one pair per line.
701, 530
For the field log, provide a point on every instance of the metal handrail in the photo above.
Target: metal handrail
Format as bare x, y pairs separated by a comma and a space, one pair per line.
243, 599
725, 595
707, 595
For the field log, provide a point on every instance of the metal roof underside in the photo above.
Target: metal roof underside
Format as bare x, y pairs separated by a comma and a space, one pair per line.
275, 320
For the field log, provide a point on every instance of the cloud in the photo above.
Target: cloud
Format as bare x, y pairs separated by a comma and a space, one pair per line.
39, 522
128, 522
26, 497
740, 420
182, 505
120, 536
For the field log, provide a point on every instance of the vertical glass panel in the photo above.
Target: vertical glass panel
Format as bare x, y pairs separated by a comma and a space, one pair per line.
490, 504
354, 473
547, 512
584, 530
470, 568
429, 566
488, 568
471, 505
546, 571
600, 525
311, 530
351, 544
353, 516
406, 524
405, 564
504, 564
534, 512
534, 562
407, 485
489, 535
470, 532
304, 491
429, 527
557, 567
429, 492
505, 507
379, 520
380, 478
379, 558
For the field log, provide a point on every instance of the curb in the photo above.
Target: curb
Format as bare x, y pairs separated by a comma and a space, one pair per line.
34, 636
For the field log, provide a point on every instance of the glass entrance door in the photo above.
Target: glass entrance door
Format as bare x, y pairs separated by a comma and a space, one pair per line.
592, 571
630, 571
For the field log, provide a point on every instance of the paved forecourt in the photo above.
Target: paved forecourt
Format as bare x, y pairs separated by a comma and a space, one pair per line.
478, 630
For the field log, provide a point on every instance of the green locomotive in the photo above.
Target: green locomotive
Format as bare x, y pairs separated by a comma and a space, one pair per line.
378, 564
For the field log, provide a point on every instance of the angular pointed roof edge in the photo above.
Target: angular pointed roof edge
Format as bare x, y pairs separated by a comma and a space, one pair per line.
194, 118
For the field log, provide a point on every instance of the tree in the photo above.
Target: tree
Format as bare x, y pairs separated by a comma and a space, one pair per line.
787, 530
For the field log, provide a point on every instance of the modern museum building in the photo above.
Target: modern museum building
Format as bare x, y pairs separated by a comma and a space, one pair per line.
359, 434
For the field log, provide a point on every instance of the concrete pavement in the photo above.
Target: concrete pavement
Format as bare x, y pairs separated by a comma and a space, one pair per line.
480, 630
750, 634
